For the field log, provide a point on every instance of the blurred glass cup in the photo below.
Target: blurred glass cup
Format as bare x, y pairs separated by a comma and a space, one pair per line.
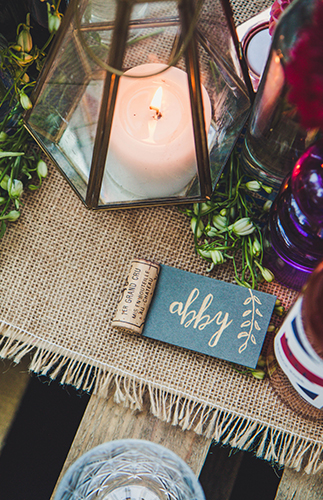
129, 469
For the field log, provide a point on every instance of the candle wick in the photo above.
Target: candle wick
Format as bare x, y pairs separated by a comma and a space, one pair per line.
158, 114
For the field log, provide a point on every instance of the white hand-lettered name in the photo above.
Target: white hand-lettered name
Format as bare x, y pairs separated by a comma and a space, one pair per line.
198, 318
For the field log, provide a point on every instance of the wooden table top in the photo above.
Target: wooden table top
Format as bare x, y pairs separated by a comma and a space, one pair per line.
104, 420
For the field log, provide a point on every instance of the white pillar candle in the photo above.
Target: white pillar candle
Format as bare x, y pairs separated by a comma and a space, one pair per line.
151, 152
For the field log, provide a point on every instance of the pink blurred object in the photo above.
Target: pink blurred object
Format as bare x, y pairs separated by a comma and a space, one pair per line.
304, 72
277, 8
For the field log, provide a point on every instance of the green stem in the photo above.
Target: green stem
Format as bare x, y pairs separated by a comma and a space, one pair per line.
5, 207
7, 94
261, 245
198, 218
50, 38
249, 264
4, 172
144, 37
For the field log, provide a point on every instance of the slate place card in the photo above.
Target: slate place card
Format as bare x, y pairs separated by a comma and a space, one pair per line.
209, 316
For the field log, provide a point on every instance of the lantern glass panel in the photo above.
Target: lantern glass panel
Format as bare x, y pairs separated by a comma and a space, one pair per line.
151, 154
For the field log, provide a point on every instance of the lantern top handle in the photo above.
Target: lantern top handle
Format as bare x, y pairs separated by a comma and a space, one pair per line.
174, 60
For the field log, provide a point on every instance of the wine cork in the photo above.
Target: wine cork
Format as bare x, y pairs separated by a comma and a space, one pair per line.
136, 296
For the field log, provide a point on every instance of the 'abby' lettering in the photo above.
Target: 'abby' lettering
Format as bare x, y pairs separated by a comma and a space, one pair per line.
198, 318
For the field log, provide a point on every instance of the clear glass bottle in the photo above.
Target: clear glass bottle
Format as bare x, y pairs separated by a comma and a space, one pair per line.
298, 345
293, 238
274, 138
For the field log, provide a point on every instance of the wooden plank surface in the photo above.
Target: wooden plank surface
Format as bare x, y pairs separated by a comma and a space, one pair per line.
300, 486
105, 420
13, 383
219, 472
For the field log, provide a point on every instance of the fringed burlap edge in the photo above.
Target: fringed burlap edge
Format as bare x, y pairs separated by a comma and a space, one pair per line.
272, 444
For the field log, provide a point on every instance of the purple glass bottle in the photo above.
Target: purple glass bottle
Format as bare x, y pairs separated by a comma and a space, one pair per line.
293, 239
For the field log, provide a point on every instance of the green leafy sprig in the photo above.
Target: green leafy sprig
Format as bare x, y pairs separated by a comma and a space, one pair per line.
229, 227
20, 165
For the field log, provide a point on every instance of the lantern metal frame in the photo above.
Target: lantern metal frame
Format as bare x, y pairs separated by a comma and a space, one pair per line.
185, 44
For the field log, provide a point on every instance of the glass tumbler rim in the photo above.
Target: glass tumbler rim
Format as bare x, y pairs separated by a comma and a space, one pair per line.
131, 444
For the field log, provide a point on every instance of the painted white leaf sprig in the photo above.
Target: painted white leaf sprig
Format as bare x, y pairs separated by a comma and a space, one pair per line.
250, 323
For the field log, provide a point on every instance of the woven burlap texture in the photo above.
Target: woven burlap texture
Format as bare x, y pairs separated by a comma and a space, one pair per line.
62, 270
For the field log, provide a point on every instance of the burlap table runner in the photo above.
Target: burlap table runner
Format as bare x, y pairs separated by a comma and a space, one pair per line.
62, 269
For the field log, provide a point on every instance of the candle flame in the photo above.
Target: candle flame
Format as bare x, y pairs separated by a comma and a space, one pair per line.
156, 101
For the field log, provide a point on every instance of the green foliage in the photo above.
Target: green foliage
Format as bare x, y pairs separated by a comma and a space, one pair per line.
20, 164
229, 226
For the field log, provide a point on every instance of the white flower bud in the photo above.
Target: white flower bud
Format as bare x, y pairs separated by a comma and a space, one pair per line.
258, 374
25, 101
280, 310
199, 229
267, 205
11, 216
25, 78
267, 274
204, 253
15, 188
268, 189
242, 227
256, 247
219, 221
3, 136
4, 182
24, 40
204, 208
42, 170
253, 186
217, 257
212, 232
24, 58
54, 22
201, 208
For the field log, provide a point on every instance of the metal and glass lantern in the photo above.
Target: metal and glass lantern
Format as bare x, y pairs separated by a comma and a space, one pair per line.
141, 103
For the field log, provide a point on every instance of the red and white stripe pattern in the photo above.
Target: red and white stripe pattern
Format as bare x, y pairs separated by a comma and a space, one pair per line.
297, 358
